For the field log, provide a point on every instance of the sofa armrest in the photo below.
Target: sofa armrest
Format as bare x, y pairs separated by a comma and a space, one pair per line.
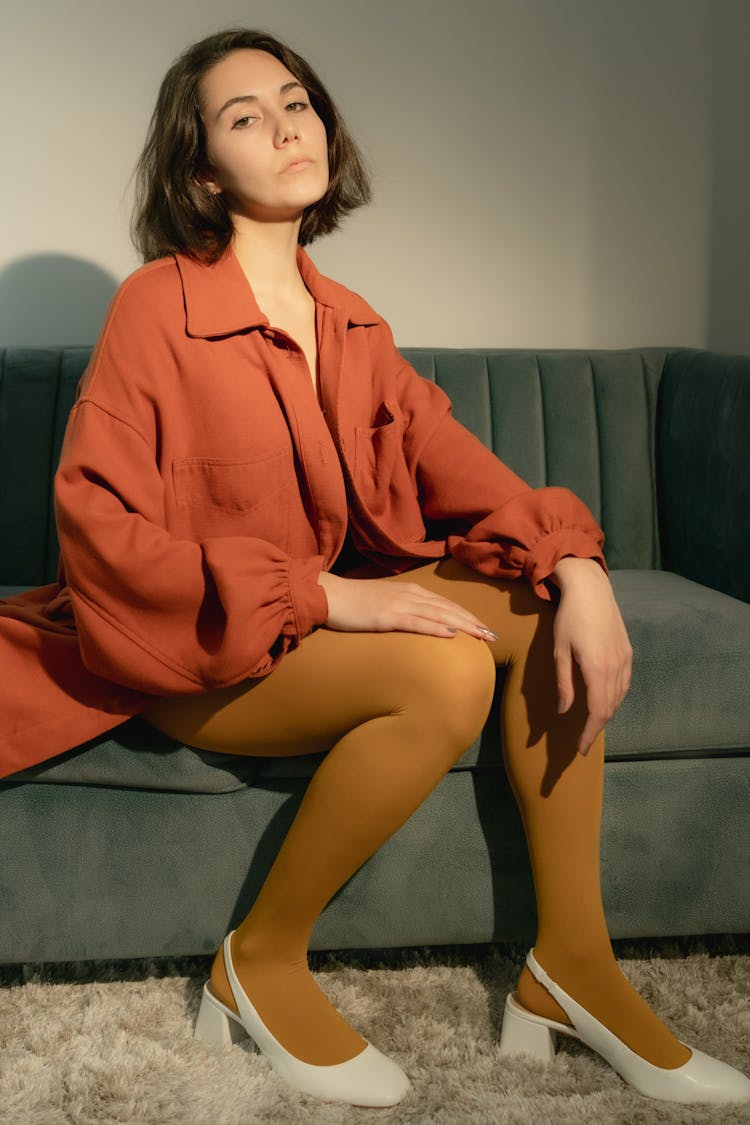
703, 469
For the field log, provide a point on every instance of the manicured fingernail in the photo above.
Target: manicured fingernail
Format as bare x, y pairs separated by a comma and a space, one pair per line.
488, 632
583, 753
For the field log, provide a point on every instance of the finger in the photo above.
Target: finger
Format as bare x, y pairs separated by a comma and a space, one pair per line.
611, 695
425, 626
588, 734
471, 626
454, 622
456, 613
564, 677
600, 696
437, 608
619, 686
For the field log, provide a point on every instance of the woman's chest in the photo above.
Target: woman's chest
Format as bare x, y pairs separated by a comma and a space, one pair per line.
246, 445
253, 391
245, 448
297, 321
233, 397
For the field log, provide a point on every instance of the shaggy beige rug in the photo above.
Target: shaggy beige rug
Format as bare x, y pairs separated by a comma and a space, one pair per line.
112, 1041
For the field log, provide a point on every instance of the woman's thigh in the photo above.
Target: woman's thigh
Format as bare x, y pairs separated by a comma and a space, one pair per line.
510, 608
330, 684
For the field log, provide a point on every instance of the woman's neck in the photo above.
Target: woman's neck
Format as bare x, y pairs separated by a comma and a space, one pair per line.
267, 253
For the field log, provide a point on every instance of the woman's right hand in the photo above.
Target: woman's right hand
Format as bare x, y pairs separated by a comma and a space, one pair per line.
380, 605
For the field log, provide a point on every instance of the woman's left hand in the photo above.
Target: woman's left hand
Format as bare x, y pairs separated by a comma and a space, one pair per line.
589, 631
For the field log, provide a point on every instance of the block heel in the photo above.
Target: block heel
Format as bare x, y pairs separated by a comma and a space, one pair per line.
523, 1031
215, 1025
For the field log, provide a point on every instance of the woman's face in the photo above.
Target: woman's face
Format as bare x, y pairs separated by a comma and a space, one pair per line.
266, 145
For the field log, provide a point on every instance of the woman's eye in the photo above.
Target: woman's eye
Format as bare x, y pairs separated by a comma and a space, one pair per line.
243, 122
297, 106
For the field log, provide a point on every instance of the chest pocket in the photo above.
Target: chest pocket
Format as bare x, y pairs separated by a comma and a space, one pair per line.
216, 496
382, 475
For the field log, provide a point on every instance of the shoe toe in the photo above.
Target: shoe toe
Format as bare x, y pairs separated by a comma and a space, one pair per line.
387, 1082
709, 1080
369, 1079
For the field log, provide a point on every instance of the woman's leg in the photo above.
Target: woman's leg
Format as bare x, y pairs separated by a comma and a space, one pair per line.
398, 709
559, 795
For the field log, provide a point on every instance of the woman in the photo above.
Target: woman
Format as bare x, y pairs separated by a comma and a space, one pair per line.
271, 524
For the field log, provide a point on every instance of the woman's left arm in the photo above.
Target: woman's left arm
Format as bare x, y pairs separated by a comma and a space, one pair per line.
590, 636
493, 520
548, 535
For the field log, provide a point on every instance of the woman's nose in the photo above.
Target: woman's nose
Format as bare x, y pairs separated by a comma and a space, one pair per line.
286, 130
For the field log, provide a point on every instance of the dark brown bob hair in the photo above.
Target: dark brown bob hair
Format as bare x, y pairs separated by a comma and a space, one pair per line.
173, 210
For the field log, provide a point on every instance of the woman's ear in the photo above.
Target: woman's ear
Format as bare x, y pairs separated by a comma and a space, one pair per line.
206, 180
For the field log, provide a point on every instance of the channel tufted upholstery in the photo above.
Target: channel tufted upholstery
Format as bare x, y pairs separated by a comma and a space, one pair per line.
582, 419
134, 845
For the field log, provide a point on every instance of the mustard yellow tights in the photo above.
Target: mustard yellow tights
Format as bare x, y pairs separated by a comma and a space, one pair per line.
391, 713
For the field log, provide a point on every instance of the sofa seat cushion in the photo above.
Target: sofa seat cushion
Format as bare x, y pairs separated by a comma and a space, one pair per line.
135, 755
689, 692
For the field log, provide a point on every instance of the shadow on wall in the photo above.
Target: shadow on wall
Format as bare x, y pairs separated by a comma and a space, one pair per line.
51, 300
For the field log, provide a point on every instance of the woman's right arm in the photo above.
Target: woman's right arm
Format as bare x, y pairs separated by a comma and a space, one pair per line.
158, 613
376, 605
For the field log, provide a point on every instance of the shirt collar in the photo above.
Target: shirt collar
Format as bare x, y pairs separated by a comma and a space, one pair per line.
220, 302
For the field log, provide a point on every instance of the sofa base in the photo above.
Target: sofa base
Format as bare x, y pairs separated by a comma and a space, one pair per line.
456, 873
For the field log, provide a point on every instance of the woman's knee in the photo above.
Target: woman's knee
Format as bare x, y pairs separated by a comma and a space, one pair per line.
451, 684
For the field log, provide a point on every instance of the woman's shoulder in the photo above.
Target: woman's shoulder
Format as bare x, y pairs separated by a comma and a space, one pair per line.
146, 309
144, 316
152, 288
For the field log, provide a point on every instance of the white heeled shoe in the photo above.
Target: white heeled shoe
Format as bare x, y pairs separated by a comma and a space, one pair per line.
369, 1079
700, 1079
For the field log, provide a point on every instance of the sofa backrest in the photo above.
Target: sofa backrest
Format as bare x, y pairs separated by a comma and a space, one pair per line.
37, 390
585, 420
703, 469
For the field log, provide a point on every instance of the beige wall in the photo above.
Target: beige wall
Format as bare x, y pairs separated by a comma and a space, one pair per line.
729, 232
547, 172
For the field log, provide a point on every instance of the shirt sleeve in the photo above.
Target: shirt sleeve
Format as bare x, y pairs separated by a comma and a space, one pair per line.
495, 522
154, 612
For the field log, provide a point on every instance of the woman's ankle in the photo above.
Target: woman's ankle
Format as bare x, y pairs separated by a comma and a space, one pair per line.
572, 958
598, 984
291, 1005
252, 943
535, 998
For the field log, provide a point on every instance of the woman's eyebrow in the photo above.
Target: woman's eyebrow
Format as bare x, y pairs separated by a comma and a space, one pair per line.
254, 97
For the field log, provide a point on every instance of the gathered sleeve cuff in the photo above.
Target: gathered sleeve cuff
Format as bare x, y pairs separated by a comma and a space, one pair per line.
308, 596
529, 535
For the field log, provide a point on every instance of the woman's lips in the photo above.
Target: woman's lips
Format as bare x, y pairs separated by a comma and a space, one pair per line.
298, 165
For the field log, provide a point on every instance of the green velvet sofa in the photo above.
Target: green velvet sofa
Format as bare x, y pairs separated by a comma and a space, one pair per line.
136, 846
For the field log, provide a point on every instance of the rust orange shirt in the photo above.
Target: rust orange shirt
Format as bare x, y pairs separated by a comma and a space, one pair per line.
202, 488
